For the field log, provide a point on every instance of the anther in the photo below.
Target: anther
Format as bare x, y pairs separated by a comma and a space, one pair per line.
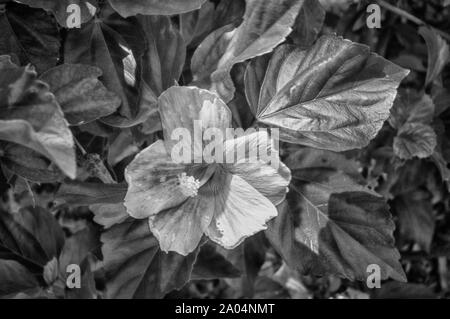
189, 185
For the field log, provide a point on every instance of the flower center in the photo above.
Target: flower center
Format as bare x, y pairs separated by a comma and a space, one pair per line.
189, 185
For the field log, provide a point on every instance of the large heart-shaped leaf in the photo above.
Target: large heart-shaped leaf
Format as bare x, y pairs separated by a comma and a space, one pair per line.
266, 24
64, 9
31, 116
154, 7
335, 96
82, 97
331, 224
136, 267
29, 34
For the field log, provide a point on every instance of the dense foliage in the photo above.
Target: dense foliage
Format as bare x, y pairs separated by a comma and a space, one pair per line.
86, 115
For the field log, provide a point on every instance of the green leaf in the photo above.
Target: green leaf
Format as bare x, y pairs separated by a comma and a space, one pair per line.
415, 139
334, 96
136, 267
77, 250
60, 9
199, 23
50, 272
415, 218
88, 288
442, 166
309, 23
210, 264
29, 34
82, 97
301, 157
31, 116
28, 241
411, 107
123, 146
29, 164
166, 53
411, 115
44, 228
266, 24
254, 78
15, 278
410, 61
331, 224
154, 7
196, 25
84, 194
355, 233
409, 177
249, 257
116, 46
441, 101
438, 53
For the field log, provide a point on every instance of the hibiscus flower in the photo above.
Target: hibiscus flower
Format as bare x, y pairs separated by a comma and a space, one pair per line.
227, 202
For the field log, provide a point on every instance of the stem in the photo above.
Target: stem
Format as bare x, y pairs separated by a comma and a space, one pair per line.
94, 165
80, 147
400, 12
410, 17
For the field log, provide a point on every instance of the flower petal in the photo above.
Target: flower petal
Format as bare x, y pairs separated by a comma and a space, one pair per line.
268, 181
180, 106
180, 229
265, 172
240, 210
152, 182
250, 147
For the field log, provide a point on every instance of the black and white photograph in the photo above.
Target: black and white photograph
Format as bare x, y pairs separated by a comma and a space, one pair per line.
224, 157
